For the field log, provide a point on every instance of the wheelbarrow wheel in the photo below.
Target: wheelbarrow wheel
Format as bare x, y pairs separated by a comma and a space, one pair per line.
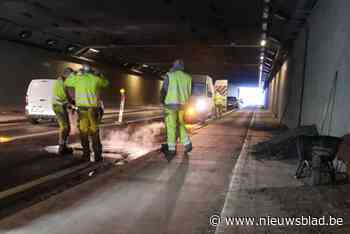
316, 170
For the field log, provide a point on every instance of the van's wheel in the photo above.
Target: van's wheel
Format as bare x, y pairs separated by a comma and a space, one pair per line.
33, 121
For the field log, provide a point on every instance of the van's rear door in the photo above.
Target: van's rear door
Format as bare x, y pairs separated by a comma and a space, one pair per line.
39, 97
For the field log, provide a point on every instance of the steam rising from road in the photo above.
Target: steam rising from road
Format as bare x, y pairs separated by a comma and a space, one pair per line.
136, 140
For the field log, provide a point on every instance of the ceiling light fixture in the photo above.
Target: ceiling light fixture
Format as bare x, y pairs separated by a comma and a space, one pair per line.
71, 48
265, 15
94, 50
263, 43
136, 71
25, 34
51, 42
264, 26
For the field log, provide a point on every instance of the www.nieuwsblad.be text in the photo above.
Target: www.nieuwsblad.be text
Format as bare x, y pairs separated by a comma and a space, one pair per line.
217, 220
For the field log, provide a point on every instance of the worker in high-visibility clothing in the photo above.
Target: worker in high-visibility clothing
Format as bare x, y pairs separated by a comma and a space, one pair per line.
175, 94
219, 104
87, 88
60, 105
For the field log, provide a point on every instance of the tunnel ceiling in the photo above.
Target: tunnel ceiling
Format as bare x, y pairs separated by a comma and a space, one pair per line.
219, 38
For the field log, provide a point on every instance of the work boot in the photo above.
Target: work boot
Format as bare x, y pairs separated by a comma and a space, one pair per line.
168, 154
188, 148
86, 155
98, 158
64, 150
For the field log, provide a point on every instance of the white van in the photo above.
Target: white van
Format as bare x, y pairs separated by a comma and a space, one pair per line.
39, 101
201, 105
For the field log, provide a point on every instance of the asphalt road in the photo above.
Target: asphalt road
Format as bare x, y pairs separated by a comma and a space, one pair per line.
25, 159
153, 197
23, 129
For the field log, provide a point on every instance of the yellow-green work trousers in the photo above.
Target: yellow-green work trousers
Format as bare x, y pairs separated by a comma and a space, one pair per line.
174, 121
62, 117
89, 121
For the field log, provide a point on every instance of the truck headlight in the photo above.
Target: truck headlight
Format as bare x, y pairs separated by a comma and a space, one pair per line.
190, 111
201, 105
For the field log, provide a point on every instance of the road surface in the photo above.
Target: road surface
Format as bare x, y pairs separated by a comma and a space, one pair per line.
153, 197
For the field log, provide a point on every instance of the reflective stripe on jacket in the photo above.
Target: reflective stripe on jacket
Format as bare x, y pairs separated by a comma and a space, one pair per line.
87, 89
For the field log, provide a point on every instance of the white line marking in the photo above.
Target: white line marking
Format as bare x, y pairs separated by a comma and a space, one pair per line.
236, 170
26, 186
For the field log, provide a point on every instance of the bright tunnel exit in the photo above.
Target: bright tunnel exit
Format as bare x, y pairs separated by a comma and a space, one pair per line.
251, 96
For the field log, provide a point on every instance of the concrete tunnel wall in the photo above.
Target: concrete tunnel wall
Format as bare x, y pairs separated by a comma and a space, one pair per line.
328, 53
20, 64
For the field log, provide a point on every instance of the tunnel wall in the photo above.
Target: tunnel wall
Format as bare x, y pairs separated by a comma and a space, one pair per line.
328, 53
20, 64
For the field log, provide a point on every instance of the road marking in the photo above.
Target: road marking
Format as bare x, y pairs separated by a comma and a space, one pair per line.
41, 180
87, 166
236, 171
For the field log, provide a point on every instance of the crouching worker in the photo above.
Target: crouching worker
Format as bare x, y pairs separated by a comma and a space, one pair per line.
175, 94
87, 87
61, 102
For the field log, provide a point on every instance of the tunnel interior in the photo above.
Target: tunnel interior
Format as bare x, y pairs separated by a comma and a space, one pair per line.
131, 163
289, 48
222, 39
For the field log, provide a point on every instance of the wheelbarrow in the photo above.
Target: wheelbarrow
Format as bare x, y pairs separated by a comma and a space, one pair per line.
316, 155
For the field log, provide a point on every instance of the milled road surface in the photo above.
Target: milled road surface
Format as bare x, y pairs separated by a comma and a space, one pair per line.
154, 197
25, 159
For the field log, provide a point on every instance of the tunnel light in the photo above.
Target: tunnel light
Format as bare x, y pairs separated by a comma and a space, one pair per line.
263, 43
262, 57
265, 15
71, 48
136, 71
4, 139
94, 50
51, 42
264, 26
25, 34
145, 65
